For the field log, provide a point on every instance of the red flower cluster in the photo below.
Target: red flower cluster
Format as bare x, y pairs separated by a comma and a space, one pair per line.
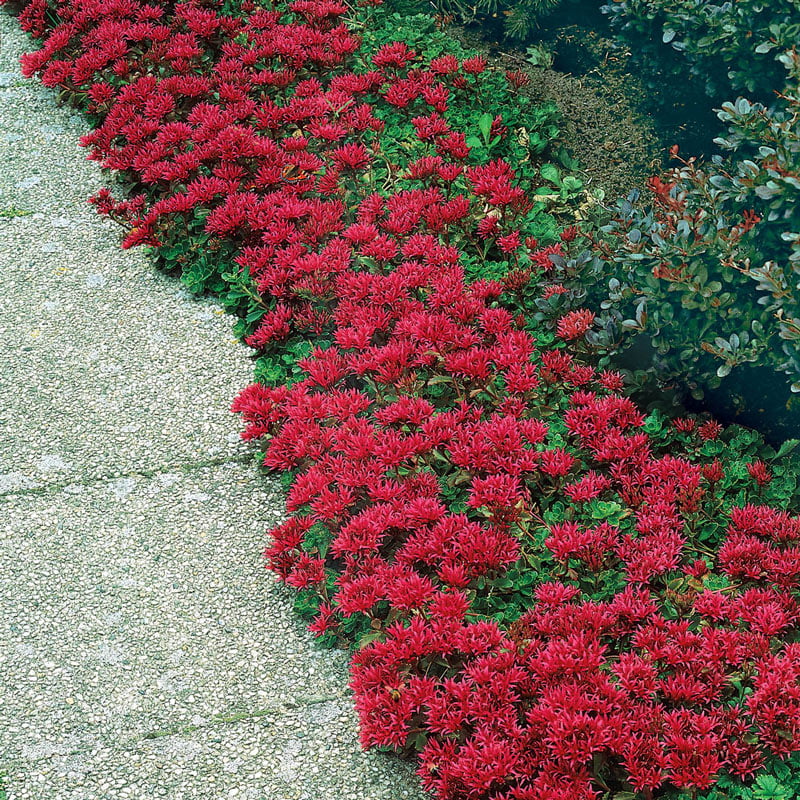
264, 126
653, 685
366, 461
434, 447
652, 679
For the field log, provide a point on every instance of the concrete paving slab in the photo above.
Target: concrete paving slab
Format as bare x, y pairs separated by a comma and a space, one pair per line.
266, 758
133, 605
108, 367
139, 629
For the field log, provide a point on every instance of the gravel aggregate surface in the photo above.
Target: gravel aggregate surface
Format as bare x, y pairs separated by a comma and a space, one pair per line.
144, 650
116, 368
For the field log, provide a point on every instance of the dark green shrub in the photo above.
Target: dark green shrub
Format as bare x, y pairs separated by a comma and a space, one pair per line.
728, 45
708, 271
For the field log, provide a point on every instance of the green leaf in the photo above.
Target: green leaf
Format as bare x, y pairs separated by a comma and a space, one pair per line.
551, 173
787, 447
473, 142
485, 126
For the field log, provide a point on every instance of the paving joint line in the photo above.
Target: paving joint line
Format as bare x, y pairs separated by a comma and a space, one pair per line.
212, 723
185, 467
219, 720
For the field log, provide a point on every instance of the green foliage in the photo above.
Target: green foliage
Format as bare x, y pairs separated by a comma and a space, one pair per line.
280, 368
708, 272
509, 597
538, 55
521, 18
200, 259
562, 190
729, 46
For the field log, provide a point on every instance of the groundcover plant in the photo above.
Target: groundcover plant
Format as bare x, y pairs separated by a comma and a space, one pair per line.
549, 593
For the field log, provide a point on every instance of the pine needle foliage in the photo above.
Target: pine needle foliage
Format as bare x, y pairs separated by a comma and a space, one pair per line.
520, 19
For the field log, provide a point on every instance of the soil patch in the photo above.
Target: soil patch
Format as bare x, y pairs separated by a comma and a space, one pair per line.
617, 145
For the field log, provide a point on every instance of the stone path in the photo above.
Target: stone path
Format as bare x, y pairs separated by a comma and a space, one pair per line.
144, 651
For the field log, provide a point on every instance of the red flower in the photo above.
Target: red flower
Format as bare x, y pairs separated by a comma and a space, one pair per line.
574, 324
517, 78
395, 55
444, 65
759, 472
684, 424
510, 243
713, 472
474, 65
552, 290
710, 430
350, 156
569, 234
